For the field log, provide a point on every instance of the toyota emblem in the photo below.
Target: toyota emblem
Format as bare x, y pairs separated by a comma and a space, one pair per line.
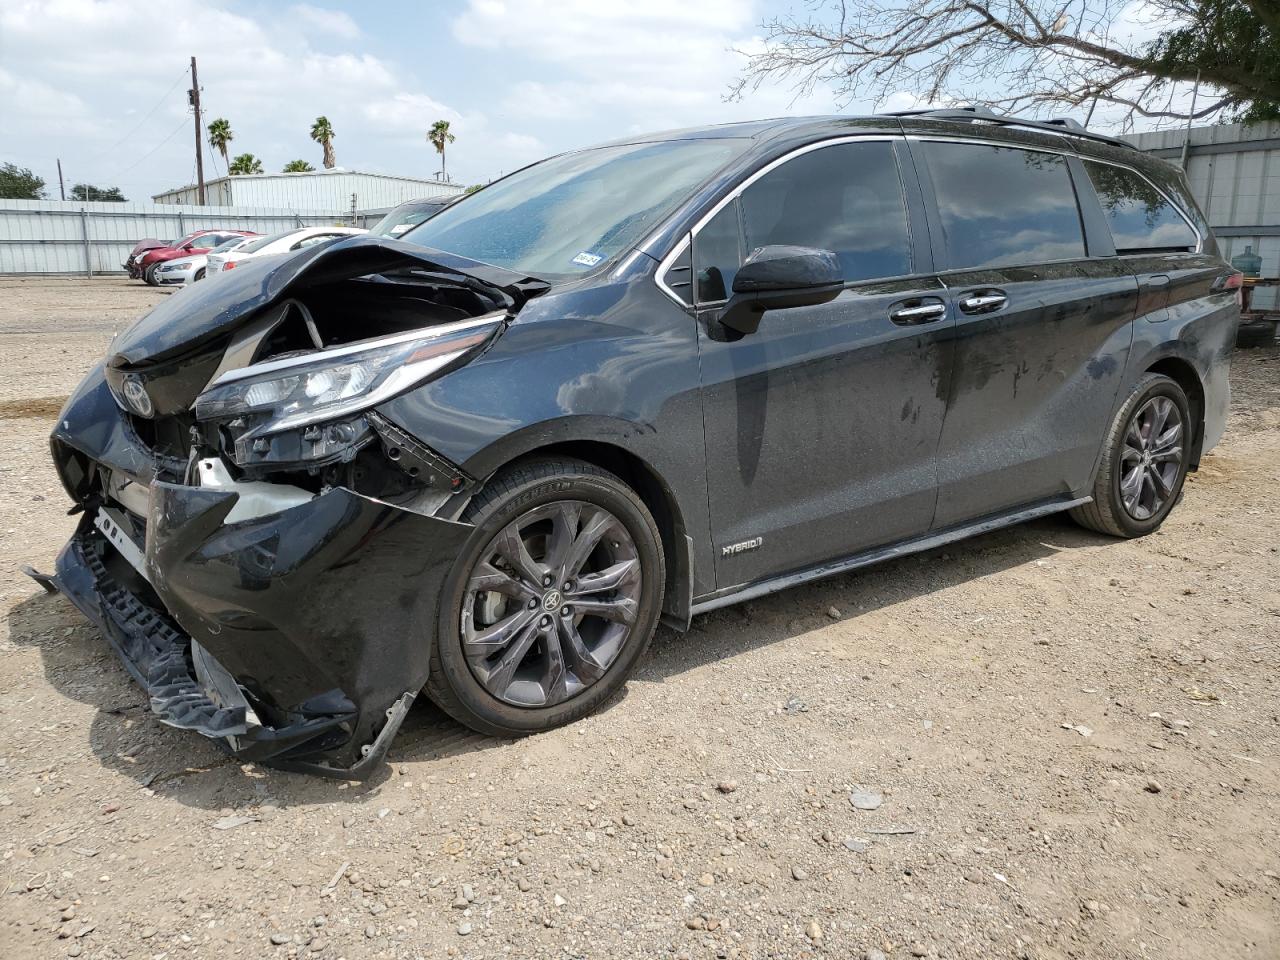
135, 394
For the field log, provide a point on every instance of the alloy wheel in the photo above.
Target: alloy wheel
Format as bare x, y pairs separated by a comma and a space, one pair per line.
1151, 457
551, 603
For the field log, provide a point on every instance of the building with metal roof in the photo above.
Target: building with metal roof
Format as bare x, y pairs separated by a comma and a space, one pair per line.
332, 191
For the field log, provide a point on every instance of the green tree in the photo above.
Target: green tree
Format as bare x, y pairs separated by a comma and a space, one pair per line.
323, 134
440, 137
298, 166
220, 136
1034, 54
473, 188
87, 191
19, 183
243, 164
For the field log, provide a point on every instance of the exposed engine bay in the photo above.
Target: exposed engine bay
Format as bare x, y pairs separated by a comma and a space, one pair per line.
231, 468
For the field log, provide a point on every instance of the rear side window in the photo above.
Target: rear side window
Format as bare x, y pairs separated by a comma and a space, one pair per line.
846, 198
1140, 216
1002, 205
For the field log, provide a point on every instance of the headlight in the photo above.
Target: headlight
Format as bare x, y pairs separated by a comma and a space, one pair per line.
332, 383
267, 405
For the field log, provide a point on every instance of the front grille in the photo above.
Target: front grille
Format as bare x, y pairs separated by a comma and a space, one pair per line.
168, 439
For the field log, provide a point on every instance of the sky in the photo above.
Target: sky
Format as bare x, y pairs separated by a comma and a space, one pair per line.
102, 84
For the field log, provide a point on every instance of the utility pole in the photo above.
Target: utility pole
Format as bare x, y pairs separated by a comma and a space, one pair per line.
1186, 138
62, 190
193, 96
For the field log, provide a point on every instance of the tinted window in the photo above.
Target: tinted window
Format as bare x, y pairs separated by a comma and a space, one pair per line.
1001, 205
846, 198
717, 253
1140, 216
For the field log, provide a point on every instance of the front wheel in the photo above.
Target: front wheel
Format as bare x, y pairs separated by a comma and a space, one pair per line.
199, 276
149, 275
553, 599
1144, 462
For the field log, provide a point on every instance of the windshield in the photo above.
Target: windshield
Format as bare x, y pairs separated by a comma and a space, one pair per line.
181, 240
228, 245
257, 244
567, 215
404, 217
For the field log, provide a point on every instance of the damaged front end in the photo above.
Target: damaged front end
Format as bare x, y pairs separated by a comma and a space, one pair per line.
264, 549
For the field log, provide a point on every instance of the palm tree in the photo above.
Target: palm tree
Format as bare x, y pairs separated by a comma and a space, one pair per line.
298, 166
440, 137
322, 133
244, 163
220, 136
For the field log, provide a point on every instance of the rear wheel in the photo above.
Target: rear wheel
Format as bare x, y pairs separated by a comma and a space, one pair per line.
1144, 463
552, 602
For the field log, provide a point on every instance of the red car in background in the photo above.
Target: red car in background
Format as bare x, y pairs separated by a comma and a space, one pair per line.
145, 260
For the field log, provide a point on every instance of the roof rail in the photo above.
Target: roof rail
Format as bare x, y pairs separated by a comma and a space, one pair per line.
973, 114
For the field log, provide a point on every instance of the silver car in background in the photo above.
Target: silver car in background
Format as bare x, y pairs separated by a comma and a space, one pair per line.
186, 270
286, 242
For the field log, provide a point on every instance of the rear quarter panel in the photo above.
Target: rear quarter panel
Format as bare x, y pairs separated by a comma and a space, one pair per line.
1199, 326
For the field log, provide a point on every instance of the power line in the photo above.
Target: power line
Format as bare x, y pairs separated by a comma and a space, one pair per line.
182, 76
182, 124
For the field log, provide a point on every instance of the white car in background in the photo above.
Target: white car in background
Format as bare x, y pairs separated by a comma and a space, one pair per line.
286, 242
186, 270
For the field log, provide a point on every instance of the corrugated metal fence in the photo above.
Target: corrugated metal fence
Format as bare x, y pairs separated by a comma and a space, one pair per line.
68, 237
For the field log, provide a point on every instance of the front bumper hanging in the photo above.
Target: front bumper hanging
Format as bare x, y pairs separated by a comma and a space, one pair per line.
298, 639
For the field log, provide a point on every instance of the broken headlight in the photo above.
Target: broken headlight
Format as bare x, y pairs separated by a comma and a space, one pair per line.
308, 408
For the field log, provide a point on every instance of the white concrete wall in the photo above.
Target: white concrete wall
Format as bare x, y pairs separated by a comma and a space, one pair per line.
69, 237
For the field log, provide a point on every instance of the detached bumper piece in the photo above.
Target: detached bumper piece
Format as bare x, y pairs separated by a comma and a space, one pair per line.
187, 687
298, 639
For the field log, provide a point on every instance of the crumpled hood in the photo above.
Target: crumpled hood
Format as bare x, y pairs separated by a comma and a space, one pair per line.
150, 243
216, 307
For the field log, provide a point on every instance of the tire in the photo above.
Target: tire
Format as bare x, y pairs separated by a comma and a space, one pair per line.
1126, 449
199, 275
482, 691
1260, 334
149, 275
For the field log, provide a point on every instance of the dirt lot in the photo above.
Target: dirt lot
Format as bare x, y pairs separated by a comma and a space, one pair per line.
1076, 741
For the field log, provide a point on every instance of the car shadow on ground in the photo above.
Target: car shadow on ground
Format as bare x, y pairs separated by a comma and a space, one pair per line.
80, 665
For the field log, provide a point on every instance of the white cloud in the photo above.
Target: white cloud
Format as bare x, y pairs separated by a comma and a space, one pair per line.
408, 114
32, 102
80, 74
646, 66
319, 20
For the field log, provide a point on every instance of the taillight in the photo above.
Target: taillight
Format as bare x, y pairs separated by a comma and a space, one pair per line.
1231, 281
1236, 282
229, 265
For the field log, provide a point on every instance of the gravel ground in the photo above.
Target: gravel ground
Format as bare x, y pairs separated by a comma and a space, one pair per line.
1071, 744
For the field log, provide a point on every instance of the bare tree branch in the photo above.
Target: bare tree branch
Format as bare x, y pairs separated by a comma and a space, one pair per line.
1030, 54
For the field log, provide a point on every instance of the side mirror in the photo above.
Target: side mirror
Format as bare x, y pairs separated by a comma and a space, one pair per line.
779, 276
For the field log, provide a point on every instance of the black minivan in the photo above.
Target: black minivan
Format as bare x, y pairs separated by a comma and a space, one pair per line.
628, 384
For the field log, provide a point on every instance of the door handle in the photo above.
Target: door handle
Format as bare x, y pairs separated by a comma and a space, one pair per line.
920, 313
1158, 281
984, 302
